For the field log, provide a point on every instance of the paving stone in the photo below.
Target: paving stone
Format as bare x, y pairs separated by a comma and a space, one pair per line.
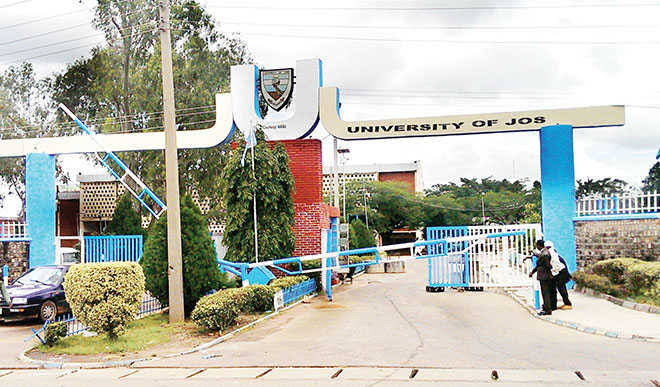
375, 373
538, 376
457, 375
161, 373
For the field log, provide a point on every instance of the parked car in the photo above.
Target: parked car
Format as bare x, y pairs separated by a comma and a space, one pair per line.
36, 294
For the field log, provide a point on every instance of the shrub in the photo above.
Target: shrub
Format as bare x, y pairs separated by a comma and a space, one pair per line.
220, 310
614, 269
285, 282
599, 283
360, 236
54, 332
643, 277
105, 296
125, 220
200, 267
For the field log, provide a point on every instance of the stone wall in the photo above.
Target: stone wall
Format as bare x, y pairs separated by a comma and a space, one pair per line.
14, 254
605, 239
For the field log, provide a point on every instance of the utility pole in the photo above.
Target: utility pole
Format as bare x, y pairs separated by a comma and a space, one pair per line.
483, 209
174, 254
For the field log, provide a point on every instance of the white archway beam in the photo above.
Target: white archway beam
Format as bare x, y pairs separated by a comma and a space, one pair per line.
585, 117
202, 138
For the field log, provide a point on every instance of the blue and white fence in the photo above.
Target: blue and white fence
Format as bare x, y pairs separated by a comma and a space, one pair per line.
297, 291
113, 248
622, 204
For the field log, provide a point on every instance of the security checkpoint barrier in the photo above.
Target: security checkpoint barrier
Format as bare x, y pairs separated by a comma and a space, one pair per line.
479, 260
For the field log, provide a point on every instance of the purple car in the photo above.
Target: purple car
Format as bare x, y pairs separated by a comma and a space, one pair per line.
36, 294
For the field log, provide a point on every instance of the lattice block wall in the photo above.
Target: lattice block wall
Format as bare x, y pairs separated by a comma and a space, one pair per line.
98, 199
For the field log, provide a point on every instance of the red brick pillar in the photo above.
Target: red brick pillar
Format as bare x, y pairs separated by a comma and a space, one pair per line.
306, 167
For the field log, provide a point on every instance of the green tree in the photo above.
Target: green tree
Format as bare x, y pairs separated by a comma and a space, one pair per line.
125, 220
360, 236
605, 186
119, 85
200, 267
273, 186
652, 181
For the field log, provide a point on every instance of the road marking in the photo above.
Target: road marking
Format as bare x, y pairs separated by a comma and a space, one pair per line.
263, 373
195, 373
336, 373
6, 373
128, 374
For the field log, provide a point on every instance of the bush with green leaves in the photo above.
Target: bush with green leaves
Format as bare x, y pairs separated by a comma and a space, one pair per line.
125, 220
219, 310
599, 283
285, 282
105, 296
614, 269
360, 236
54, 332
200, 266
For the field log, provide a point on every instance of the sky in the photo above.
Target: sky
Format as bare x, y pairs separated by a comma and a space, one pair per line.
429, 58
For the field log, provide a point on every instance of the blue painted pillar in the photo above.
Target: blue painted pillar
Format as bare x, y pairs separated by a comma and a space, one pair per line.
40, 207
558, 190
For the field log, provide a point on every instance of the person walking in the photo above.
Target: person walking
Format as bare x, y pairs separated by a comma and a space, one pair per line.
543, 272
561, 276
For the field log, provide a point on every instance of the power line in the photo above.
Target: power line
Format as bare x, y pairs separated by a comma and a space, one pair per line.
417, 9
74, 40
417, 27
45, 18
13, 4
449, 41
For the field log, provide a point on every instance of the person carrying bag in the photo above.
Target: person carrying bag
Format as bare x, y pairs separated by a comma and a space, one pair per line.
560, 275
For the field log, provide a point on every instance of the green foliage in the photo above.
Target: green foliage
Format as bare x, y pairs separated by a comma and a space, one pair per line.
125, 220
219, 310
105, 296
286, 282
122, 79
651, 183
360, 236
273, 187
54, 332
599, 283
614, 269
606, 186
200, 267
624, 277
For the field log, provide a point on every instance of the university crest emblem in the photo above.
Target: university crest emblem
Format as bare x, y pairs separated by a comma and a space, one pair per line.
276, 87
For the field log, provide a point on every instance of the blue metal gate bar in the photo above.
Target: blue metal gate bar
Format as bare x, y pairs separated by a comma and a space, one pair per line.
113, 248
140, 191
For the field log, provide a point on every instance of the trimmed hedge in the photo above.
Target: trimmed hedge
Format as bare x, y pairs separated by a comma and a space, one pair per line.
286, 282
105, 296
54, 332
623, 277
614, 269
219, 310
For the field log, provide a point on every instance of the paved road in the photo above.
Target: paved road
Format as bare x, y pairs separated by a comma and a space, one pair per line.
389, 320
12, 336
313, 377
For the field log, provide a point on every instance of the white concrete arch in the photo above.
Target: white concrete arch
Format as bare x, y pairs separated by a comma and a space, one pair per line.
201, 138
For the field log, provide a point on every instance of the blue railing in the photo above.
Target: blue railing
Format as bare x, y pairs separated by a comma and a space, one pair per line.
294, 292
113, 248
150, 305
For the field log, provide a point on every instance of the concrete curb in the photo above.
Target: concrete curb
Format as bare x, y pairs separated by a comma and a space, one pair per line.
576, 326
623, 303
42, 364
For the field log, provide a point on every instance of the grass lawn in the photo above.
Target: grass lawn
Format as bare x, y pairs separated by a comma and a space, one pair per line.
140, 334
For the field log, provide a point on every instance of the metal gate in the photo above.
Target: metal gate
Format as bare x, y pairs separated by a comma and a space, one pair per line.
495, 260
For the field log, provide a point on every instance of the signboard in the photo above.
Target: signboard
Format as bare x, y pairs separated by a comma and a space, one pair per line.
585, 117
304, 102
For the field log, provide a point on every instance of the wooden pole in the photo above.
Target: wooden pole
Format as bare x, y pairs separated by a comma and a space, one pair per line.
174, 254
